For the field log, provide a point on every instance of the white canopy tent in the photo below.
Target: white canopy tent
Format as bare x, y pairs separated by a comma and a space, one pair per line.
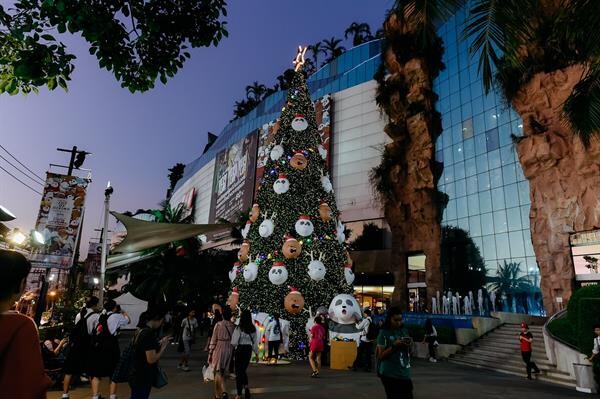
134, 308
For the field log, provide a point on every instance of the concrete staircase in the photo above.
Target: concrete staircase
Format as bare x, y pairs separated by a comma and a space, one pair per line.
499, 350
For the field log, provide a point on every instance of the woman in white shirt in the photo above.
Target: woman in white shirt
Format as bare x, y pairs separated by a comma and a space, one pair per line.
245, 342
274, 333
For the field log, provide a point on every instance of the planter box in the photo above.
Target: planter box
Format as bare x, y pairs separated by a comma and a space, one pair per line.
342, 355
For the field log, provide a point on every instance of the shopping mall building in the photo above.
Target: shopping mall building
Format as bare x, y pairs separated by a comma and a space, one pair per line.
488, 193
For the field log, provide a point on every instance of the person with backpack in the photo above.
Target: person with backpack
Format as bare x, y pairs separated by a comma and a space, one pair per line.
431, 339
368, 335
79, 343
147, 351
189, 325
219, 352
393, 356
245, 342
21, 367
275, 337
595, 357
105, 351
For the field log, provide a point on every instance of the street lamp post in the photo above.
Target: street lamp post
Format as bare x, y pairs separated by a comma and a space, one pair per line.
107, 193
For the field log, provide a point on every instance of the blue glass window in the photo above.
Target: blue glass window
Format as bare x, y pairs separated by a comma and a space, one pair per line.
473, 204
467, 128
525, 216
502, 246
475, 226
466, 108
450, 211
496, 178
483, 181
472, 185
478, 123
470, 167
448, 158
494, 159
513, 216
489, 247
500, 224
461, 207
523, 192
469, 148
492, 141
463, 224
498, 199
504, 133
507, 154
517, 247
487, 223
480, 144
511, 195
482, 163
459, 170
510, 173
485, 201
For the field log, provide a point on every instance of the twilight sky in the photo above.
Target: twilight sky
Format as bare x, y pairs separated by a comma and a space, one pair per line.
135, 138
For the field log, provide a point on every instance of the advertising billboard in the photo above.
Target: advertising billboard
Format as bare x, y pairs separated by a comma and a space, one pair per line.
92, 263
233, 184
59, 220
266, 135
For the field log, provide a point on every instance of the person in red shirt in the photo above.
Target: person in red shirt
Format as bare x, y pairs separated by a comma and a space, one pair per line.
526, 340
22, 373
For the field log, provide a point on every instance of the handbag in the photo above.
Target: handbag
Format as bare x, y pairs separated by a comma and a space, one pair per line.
208, 373
124, 366
160, 378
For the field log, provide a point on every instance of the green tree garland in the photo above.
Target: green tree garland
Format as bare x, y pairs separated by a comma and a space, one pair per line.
303, 198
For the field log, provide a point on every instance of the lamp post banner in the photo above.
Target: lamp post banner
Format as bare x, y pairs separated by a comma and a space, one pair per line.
59, 220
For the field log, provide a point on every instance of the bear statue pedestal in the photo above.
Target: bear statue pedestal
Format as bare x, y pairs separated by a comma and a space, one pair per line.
343, 354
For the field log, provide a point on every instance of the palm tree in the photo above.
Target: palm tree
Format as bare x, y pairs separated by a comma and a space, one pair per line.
176, 173
315, 50
333, 49
256, 91
508, 282
361, 33
285, 79
407, 177
544, 56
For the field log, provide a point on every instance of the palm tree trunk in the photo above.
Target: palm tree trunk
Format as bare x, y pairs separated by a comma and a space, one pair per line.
564, 178
413, 213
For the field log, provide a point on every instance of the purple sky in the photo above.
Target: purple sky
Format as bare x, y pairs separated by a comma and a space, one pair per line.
135, 138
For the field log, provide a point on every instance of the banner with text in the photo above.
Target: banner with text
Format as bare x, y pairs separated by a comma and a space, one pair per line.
233, 180
59, 220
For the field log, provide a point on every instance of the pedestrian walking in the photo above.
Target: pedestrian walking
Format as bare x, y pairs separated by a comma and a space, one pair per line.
393, 355
147, 351
595, 357
21, 367
526, 340
217, 317
316, 346
79, 344
219, 352
105, 352
368, 335
431, 339
245, 342
189, 325
274, 335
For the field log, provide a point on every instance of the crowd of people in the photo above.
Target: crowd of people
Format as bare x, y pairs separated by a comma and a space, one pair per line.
91, 348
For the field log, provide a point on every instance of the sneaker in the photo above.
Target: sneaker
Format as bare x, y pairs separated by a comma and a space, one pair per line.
185, 368
231, 376
314, 374
179, 367
433, 360
65, 396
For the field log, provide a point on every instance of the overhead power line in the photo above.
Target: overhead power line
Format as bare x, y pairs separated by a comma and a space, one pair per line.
20, 181
19, 170
23, 165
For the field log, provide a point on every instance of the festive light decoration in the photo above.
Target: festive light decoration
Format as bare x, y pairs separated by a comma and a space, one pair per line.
291, 192
254, 213
300, 60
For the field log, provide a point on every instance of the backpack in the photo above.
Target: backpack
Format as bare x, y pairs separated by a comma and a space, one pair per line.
79, 334
373, 331
101, 334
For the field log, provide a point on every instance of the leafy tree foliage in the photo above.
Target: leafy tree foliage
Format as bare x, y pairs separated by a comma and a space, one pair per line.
139, 41
462, 263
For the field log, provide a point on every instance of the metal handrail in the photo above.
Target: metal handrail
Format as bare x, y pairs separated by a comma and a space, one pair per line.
556, 316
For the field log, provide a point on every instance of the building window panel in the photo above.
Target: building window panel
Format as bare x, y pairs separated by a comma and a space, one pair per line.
498, 199
448, 158
485, 201
509, 173
525, 216
463, 224
477, 103
459, 155
469, 148
492, 141
523, 193
478, 123
494, 159
502, 246
513, 217
500, 224
461, 207
460, 188
511, 195
470, 167
507, 154
482, 163
450, 211
483, 181
480, 144
439, 156
459, 170
456, 131
472, 184
475, 226
465, 97
489, 247
517, 248
467, 128
528, 244
473, 204
455, 101
487, 224
496, 178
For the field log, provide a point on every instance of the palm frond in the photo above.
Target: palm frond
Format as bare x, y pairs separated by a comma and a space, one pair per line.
582, 107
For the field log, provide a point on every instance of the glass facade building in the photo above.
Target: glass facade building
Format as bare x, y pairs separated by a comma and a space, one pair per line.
488, 194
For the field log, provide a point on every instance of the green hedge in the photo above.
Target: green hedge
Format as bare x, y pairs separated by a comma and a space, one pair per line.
446, 335
583, 311
589, 315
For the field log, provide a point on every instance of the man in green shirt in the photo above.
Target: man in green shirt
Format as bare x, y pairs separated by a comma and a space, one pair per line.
393, 356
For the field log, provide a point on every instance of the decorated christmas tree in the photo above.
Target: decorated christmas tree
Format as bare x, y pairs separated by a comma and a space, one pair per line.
294, 257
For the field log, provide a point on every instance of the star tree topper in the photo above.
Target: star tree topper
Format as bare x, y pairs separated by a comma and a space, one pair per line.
299, 60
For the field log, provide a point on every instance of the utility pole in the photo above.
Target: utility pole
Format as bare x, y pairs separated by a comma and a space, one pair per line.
77, 159
107, 193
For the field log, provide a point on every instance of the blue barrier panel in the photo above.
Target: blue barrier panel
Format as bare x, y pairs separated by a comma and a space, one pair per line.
446, 320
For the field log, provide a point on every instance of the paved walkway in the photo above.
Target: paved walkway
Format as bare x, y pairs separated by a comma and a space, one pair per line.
441, 380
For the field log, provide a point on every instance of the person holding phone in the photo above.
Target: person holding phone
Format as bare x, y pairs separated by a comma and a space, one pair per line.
147, 352
393, 356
